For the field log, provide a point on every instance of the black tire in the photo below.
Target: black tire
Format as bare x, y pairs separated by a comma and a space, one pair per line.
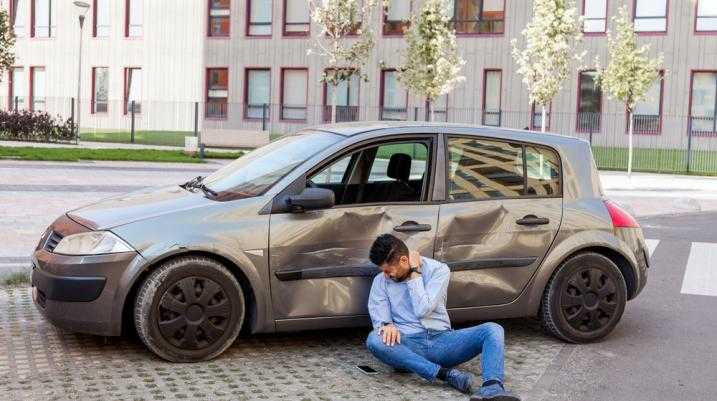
584, 299
189, 309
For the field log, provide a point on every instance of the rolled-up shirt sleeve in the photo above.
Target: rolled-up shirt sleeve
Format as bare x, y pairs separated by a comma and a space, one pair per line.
425, 298
379, 307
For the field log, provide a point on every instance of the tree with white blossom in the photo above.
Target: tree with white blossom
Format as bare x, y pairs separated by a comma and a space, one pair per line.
432, 64
630, 71
345, 39
7, 42
551, 38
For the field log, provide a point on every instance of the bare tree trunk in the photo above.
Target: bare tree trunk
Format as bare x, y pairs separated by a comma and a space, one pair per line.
543, 124
629, 148
429, 104
333, 105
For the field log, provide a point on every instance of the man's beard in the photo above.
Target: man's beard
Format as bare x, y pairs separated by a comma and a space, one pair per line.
403, 278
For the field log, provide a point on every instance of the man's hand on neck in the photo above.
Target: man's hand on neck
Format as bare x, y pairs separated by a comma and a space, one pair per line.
414, 260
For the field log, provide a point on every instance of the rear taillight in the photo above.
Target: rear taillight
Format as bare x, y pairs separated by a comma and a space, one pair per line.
620, 218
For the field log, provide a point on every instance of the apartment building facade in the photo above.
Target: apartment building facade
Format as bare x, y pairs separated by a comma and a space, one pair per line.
245, 64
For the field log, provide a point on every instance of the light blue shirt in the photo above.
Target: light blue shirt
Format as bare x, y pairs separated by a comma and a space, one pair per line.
415, 305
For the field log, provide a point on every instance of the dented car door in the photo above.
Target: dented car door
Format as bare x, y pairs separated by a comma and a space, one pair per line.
319, 262
503, 211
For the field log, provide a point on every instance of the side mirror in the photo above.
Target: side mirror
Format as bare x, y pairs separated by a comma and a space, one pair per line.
311, 199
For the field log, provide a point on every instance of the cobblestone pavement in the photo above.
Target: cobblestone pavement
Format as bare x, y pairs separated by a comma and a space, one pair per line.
41, 362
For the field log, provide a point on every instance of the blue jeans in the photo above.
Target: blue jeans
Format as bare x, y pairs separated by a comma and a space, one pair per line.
424, 353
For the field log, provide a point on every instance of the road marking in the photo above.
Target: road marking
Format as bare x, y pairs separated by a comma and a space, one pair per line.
700, 276
651, 245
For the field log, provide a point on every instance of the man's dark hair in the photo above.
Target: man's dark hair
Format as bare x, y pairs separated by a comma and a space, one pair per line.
387, 249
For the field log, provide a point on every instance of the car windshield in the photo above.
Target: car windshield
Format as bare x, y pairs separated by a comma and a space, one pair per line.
255, 172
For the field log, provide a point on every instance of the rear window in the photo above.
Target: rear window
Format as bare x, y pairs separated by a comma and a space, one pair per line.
542, 171
488, 169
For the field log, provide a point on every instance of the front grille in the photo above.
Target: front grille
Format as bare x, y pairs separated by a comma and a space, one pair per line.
52, 240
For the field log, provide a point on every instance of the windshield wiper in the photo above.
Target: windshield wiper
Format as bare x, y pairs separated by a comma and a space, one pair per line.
197, 183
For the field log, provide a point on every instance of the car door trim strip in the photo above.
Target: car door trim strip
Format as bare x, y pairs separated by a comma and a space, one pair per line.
308, 273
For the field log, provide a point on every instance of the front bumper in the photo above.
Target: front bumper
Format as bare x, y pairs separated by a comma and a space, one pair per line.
82, 293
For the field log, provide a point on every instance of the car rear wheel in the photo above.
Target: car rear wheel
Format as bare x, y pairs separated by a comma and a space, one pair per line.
189, 309
585, 299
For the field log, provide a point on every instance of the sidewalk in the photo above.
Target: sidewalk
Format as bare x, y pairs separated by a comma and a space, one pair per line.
103, 145
648, 194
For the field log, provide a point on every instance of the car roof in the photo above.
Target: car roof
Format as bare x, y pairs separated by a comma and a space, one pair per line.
388, 127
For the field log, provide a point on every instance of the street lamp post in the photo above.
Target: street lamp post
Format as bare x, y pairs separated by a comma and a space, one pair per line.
82, 9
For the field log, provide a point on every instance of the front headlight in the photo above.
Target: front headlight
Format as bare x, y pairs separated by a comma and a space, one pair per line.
92, 243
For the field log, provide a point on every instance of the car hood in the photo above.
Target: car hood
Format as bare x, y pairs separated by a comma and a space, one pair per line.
137, 205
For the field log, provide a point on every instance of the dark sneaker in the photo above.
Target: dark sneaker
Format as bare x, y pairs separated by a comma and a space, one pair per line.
494, 392
460, 381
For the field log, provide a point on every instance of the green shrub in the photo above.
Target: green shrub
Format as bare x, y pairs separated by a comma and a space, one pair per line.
35, 126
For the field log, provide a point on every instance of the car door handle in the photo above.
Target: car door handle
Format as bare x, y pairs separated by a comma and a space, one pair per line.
412, 226
532, 220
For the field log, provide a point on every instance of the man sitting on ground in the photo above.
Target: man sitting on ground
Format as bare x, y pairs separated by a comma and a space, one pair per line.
412, 331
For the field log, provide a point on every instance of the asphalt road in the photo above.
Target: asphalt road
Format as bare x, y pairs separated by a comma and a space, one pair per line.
665, 347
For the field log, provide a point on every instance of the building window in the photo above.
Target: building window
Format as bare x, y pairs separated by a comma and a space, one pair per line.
132, 90
37, 88
706, 18
217, 92
18, 13
297, 21
492, 81
589, 103
101, 18
43, 19
347, 98
650, 15
536, 122
219, 13
478, 16
18, 88
703, 103
257, 93
396, 17
595, 16
259, 15
133, 18
294, 91
647, 114
100, 89
394, 98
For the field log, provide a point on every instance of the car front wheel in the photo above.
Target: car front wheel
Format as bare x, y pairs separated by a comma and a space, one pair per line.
584, 299
189, 309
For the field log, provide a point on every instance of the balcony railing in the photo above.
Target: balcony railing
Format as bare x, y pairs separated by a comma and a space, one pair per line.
394, 113
492, 118
292, 112
216, 109
588, 122
343, 114
703, 124
646, 124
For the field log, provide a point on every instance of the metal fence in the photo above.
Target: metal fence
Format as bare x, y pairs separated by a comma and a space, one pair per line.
666, 143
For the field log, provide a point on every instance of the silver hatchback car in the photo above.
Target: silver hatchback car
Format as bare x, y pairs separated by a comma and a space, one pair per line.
278, 240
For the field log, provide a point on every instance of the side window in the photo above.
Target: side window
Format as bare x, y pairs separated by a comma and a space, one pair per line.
417, 152
483, 169
388, 173
543, 171
333, 174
